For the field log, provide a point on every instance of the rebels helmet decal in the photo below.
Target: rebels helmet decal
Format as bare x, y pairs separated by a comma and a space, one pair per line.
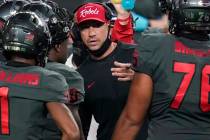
29, 38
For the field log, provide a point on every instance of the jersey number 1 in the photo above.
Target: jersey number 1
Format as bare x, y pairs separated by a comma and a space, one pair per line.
189, 70
4, 110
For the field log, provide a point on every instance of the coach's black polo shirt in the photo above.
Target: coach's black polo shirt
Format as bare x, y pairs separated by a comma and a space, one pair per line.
105, 95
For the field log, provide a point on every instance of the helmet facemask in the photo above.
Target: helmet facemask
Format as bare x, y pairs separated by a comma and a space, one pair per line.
191, 16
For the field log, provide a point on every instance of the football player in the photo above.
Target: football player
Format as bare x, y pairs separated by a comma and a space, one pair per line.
28, 91
171, 83
59, 23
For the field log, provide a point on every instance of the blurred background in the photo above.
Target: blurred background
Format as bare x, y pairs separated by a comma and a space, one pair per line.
146, 8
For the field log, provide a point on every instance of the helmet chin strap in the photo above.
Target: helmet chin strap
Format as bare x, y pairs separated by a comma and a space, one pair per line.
103, 48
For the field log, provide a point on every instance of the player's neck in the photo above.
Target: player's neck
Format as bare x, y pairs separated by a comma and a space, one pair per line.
23, 60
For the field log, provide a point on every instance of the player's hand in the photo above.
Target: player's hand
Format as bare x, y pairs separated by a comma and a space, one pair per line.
116, 1
121, 12
123, 71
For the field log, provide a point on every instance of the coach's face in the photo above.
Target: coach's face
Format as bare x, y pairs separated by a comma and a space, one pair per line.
93, 33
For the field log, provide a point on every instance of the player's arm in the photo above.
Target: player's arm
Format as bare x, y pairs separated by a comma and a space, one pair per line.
136, 108
65, 120
122, 14
123, 27
74, 109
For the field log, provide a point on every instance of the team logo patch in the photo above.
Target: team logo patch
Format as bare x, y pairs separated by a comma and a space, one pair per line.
89, 10
29, 38
73, 96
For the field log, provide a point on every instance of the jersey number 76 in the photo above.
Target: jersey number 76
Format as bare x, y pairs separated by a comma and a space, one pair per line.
189, 70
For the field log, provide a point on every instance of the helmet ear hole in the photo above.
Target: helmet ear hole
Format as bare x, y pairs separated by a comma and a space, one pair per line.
34, 20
